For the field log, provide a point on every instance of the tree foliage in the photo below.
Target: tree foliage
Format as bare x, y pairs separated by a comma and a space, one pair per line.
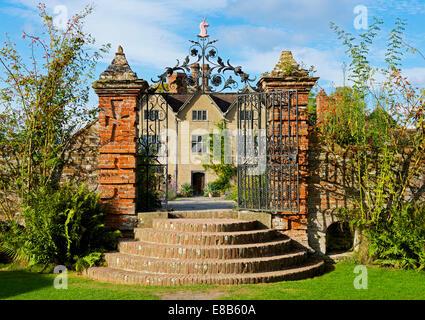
379, 126
43, 105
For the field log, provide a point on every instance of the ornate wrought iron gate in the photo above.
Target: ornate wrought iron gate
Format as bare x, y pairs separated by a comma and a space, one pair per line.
267, 142
152, 163
267, 151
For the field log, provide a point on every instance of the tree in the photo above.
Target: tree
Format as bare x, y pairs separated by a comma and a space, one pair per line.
379, 127
42, 105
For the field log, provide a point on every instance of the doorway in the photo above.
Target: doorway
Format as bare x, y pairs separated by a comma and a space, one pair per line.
198, 183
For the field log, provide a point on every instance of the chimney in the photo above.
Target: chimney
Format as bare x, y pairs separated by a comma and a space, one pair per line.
177, 83
194, 68
205, 69
321, 104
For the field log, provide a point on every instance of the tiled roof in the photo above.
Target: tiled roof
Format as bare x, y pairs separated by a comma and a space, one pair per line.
176, 101
223, 101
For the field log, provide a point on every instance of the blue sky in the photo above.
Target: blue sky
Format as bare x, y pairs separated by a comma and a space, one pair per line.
251, 33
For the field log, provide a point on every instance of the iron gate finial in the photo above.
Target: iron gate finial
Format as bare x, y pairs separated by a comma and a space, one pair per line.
203, 26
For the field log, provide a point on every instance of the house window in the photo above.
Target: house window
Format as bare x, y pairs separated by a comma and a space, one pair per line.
152, 115
199, 115
198, 144
245, 115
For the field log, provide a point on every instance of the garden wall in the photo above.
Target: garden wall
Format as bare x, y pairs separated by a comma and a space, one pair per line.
82, 159
331, 185
82, 162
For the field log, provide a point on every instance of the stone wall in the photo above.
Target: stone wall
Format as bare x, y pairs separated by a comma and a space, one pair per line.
82, 161
331, 184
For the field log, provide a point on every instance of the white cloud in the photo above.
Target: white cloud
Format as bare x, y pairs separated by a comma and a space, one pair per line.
327, 63
257, 37
416, 76
153, 33
397, 7
304, 14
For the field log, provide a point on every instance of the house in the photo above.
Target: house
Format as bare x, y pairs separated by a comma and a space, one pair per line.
191, 117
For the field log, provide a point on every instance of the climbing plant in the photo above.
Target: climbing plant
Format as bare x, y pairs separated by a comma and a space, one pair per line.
219, 160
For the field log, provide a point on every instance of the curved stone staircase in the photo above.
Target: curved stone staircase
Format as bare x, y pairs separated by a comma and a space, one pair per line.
205, 251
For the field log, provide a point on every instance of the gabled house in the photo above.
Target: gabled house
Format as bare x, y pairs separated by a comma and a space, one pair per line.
192, 117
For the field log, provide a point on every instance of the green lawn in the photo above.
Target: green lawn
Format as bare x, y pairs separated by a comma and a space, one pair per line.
335, 284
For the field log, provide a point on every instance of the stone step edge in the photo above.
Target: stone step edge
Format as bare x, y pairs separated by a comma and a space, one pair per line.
201, 225
206, 238
296, 252
202, 211
307, 270
201, 233
205, 220
226, 246
191, 267
204, 266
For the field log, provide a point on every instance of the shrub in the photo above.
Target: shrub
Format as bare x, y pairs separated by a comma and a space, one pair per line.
232, 193
43, 104
398, 239
212, 188
10, 241
378, 128
63, 226
186, 190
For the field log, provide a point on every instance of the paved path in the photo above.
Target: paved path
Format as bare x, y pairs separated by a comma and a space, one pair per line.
200, 203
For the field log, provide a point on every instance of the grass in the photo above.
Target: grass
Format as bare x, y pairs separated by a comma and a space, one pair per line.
337, 284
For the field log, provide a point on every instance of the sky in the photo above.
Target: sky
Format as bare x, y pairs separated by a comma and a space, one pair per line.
250, 33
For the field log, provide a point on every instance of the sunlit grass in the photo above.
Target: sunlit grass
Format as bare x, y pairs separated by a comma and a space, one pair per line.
336, 284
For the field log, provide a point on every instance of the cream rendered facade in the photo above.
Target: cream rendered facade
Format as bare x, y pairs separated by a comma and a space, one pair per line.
183, 162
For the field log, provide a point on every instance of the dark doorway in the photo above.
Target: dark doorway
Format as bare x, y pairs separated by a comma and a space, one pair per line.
339, 238
198, 183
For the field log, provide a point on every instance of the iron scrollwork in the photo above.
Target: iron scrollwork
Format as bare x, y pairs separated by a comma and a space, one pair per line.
213, 78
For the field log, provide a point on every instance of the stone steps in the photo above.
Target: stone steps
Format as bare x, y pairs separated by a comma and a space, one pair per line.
178, 251
205, 266
107, 274
187, 251
205, 238
204, 214
203, 225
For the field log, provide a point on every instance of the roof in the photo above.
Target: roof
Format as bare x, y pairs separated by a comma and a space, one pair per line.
224, 101
178, 101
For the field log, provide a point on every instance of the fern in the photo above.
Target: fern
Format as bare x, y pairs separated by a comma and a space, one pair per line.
62, 226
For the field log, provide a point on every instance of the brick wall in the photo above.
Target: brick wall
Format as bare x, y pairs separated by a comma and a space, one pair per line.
119, 92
